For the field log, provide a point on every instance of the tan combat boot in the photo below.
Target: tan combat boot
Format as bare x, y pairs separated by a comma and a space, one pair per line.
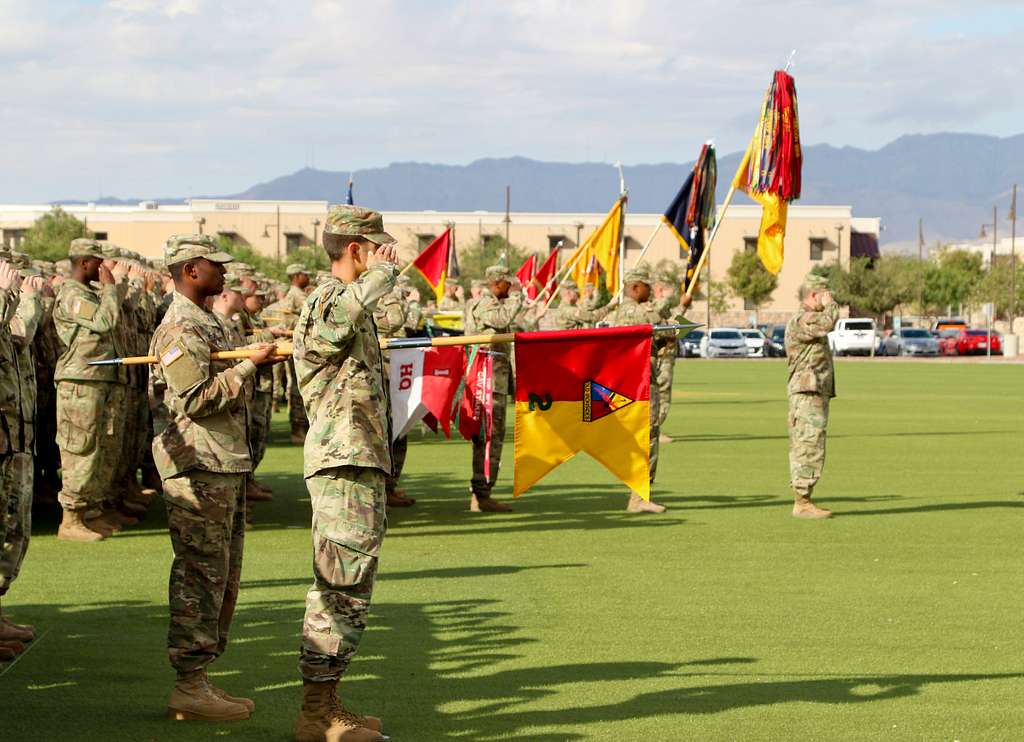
804, 508
487, 505
74, 528
12, 646
638, 504
397, 499
255, 493
6, 655
323, 717
16, 631
194, 700
223, 694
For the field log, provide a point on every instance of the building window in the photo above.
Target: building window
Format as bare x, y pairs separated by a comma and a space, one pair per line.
422, 240
750, 246
817, 248
101, 236
554, 239
292, 242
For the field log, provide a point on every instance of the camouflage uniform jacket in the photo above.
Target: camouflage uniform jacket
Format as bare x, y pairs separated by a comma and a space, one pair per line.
255, 331
572, 317
294, 300
448, 304
86, 321
413, 317
339, 367
279, 313
468, 327
47, 346
11, 434
391, 314
631, 312
493, 315
204, 400
24, 326
808, 354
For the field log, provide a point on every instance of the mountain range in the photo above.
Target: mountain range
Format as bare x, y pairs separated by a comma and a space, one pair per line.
951, 181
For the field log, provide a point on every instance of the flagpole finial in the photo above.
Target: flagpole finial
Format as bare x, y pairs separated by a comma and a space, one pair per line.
789, 62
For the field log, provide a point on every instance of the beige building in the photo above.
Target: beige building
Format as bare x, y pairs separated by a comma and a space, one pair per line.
816, 235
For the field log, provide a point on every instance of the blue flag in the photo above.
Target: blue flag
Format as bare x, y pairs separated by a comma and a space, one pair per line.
350, 201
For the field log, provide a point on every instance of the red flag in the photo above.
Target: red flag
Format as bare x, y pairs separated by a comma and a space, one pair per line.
477, 405
432, 263
443, 369
525, 275
543, 279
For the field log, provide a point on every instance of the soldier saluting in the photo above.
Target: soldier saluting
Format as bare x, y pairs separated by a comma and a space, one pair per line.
811, 387
203, 458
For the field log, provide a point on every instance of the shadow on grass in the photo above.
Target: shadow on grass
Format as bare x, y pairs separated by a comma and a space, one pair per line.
434, 671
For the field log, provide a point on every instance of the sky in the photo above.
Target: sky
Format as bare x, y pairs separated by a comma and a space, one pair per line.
148, 99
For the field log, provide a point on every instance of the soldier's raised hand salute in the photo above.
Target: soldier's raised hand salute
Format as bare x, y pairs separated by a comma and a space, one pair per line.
382, 254
8, 275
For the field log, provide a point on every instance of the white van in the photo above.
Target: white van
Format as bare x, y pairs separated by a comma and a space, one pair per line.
852, 336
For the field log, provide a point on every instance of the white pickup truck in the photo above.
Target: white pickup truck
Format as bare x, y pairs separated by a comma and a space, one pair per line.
852, 336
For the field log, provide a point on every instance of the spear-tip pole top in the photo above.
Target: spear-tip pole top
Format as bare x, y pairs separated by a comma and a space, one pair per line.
789, 62
622, 178
710, 143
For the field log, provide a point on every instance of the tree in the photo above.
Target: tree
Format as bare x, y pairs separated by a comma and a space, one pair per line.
718, 297
51, 234
950, 283
314, 258
748, 279
474, 261
995, 286
877, 286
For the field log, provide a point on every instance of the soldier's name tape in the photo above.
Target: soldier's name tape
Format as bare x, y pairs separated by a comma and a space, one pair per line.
285, 349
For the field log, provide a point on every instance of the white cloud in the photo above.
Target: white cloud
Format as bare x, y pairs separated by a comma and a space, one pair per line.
160, 97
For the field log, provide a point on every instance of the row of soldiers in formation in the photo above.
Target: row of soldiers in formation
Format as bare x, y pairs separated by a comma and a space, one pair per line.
207, 422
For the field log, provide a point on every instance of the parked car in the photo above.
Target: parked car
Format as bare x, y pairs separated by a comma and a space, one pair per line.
852, 336
777, 341
974, 341
911, 341
947, 341
689, 346
949, 323
724, 342
755, 340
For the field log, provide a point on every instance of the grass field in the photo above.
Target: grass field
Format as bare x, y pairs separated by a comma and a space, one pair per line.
724, 619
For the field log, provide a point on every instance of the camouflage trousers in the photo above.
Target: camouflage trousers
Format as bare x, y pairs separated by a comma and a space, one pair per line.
655, 409
666, 371
17, 481
296, 410
481, 484
348, 527
133, 417
206, 519
259, 428
90, 434
399, 449
47, 458
808, 421
6, 487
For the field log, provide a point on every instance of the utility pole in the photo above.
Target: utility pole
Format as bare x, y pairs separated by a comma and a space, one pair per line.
920, 238
1013, 258
508, 211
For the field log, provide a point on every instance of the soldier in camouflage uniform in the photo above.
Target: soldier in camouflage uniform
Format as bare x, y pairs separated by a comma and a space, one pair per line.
570, 314
255, 331
477, 291
292, 303
347, 457
497, 311
89, 398
390, 317
413, 310
452, 300
667, 304
636, 309
20, 317
810, 389
47, 349
203, 456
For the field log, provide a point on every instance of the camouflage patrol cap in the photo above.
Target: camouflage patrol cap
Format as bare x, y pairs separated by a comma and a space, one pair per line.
569, 285
404, 280
63, 267
21, 260
477, 284
231, 283
111, 251
45, 266
639, 274
497, 273
243, 269
182, 247
295, 269
814, 282
357, 221
84, 247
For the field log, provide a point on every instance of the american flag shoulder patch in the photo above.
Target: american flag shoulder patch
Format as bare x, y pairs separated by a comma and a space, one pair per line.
170, 355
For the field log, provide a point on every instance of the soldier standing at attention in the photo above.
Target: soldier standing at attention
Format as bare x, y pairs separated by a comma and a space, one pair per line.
495, 312
477, 291
811, 387
203, 457
569, 314
636, 309
293, 302
89, 398
452, 301
666, 344
347, 457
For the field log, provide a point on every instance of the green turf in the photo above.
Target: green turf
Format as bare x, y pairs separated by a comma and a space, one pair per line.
724, 619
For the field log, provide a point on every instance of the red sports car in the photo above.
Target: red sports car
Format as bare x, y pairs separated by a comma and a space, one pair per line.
947, 341
973, 341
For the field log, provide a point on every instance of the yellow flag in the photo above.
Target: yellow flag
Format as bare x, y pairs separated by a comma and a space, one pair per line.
772, 233
603, 247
